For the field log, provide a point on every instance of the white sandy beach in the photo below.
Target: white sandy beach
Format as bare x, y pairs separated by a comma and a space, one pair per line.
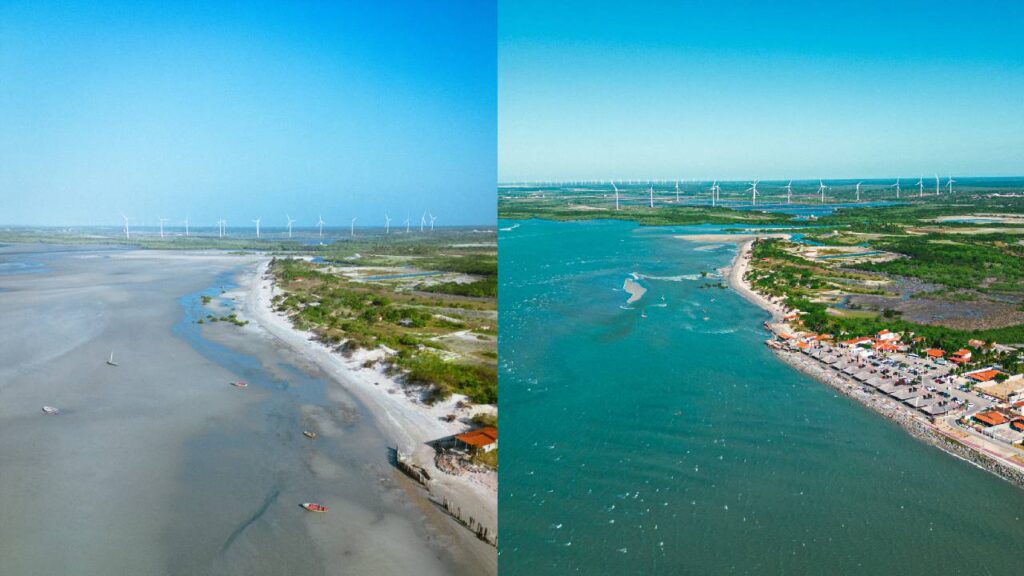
407, 421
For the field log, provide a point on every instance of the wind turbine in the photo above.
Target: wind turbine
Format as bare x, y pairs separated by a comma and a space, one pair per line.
387, 224
714, 193
407, 223
352, 230
290, 222
677, 191
127, 234
221, 224
897, 186
789, 191
423, 221
320, 223
162, 220
858, 191
936, 184
949, 184
432, 218
257, 221
822, 188
652, 196
753, 189
616, 194
186, 226
920, 187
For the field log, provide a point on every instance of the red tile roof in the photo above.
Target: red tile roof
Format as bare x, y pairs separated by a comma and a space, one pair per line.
984, 375
935, 353
991, 418
480, 437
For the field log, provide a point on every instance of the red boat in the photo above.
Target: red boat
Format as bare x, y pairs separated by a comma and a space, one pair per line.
239, 384
312, 507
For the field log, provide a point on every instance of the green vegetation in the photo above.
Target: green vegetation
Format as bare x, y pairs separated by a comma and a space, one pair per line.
401, 314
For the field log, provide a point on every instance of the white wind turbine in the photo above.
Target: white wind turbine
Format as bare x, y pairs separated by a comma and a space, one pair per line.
821, 189
858, 191
753, 189
162, 220
387, 224
186, 226
937, 185
352, 229
127, 234
320, 223
407, 223
949, 184
652, 196
290, 222
221, 224
714, 193
897, 186
616, 194
423, 221
677, 191
920, 187
789, 192
257, 221
432, 218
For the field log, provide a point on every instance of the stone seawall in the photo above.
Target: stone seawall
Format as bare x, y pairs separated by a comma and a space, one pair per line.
903, 416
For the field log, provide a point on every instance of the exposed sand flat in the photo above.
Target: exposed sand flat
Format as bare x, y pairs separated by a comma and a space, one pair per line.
407, 422
635, 290
158, 466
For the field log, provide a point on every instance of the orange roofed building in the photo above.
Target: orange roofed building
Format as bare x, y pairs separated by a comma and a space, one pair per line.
984, 375
991, 418
935, 353
484, 439
961, 356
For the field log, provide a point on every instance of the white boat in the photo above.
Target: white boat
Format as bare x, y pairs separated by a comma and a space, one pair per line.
50, 411
110, 361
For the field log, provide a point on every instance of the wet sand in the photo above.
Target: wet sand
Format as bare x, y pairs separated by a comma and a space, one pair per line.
158, 466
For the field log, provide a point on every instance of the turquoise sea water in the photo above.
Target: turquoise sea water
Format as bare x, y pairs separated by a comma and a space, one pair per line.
672, 444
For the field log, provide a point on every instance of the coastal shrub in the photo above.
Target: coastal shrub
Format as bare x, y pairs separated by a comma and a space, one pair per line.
479, 383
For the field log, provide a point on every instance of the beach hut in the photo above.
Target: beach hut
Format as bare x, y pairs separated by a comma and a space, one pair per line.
479, 440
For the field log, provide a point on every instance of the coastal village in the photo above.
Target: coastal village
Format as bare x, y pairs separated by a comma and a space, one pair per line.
963, 397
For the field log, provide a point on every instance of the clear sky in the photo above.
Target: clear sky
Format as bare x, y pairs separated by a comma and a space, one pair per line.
218, 109
756, 89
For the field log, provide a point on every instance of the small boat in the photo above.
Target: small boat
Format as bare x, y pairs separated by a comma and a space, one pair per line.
239, 384
50, 411
313, 507
643, 314
309, 434
110, 361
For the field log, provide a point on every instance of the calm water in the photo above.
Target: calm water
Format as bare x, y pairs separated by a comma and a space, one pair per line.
677, 445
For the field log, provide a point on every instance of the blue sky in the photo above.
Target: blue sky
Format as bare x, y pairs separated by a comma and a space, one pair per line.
242, 109
753, 89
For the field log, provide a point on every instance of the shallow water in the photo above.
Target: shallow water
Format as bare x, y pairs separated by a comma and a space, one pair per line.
159, 466
672, 444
